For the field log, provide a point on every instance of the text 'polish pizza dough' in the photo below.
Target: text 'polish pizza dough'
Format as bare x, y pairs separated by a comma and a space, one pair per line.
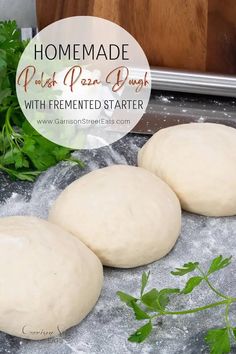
49, 280
125, 214
198, 161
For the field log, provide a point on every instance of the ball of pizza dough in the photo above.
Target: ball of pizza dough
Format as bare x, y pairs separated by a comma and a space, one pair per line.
125, 214
49, 280
198, 161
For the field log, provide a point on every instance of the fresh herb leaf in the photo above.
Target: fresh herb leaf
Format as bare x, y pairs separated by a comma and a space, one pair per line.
187, 268
158, 300
191, 284
141, 334
126, 298
24, 153
139, 313
164, 296
14, 157
145, 277
218, 263
24, 176
218, 341
234, 331
156, 305
150, 299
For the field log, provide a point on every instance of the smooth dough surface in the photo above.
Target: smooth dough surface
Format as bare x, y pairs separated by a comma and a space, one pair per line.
125, 214
198, 161
49, 280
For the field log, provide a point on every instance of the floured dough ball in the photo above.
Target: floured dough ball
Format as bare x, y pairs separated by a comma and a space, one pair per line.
49, 280
198, 161
125, 214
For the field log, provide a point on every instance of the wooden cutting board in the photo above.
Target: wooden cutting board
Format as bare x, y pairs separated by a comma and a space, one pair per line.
184, 34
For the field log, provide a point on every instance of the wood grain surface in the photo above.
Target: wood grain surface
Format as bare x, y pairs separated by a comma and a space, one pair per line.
184, 34
221, 41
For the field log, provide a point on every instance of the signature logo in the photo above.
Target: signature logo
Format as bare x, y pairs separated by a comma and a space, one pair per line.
26, 330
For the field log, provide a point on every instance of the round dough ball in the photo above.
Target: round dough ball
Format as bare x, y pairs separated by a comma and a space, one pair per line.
125, 214
198, 161
49, 280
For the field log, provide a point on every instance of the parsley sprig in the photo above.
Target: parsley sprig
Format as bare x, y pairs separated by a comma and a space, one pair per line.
24, 153
153, 304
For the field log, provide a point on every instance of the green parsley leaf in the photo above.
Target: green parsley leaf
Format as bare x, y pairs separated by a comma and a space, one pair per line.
61, 153
218, 263
154, 302
164, 296
191, 284
139, 313
150, 299
24, 153
187, 268
158, 300
141, 334
126, 298
218, 341
145, 277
